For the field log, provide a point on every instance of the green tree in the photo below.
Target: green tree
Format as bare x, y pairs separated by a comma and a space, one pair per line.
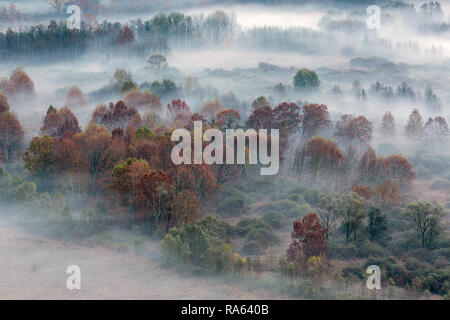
350, 209
426, 219
306, 79
40, 157
377, 225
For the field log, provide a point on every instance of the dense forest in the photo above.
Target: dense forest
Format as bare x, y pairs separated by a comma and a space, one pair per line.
87, 119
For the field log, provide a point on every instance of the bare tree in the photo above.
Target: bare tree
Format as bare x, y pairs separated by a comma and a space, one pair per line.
57, 5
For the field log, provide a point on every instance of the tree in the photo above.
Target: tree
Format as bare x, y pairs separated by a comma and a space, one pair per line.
40, 157
115, 116
287, 118
157, 62
178, 110
414, 126
75, 97
350, 209
125, 37
307, 240
371, 168
377, 225
436, 128
306, 79
388, 125
426, 219
228, 119
260, 103
210, 109
319, 156
387, 194
58, 123
153, 198
262, 118
57, 5
21, 82
185, 207
326, 214
4, 106
315, 118
92, 143
11, 136
399, 170
126, 176
360, 130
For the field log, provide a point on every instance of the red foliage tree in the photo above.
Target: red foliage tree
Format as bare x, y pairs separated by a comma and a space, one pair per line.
11, 136
399, 170
262, 118
21, 82
288, 118
116, 116
307, 240
227, 119
319, 156
153, 196
75, 97
59, 123
315, 118
4, 106
125, 36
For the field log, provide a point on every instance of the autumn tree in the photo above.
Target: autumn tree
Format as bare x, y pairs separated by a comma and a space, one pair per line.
262, 118
136, 98
287, 118
349, 129
21, 82
153, 197
228, 119
40, 157
414, 126
371, 168
75, 97
210, 109
435, 128
319, 156
315, 118
388, 125
4, 106
115, 116
185, 208
179, 111
92, 143
426, 219
126, 176
307, 240
399, 170
260, 102
387, 194
125, 37
58, 123
11, 136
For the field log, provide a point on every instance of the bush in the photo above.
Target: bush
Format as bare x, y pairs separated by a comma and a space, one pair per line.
232, 206
290, 209
341, 251
274, 219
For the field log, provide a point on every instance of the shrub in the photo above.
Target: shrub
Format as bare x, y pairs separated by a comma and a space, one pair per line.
274, 219
232, 206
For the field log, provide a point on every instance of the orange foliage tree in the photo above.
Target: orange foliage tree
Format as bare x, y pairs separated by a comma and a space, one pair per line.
307, 240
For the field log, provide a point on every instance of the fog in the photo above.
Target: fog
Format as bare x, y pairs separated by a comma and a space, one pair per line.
263, 46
